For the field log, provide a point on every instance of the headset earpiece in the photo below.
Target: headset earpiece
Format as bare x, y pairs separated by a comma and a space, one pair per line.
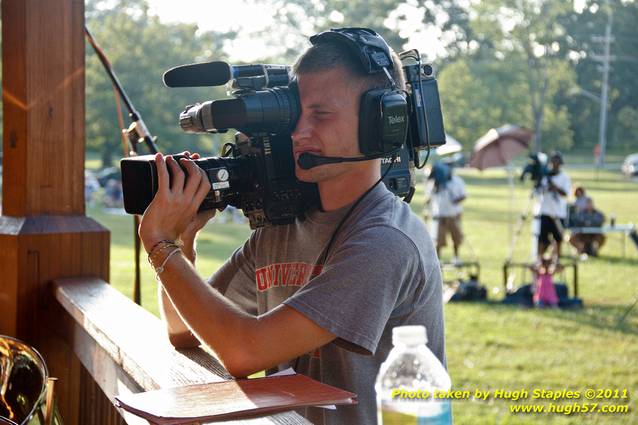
383, 113
383, 121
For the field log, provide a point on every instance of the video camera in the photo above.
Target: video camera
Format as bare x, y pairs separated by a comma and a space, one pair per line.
537, 169
257, 173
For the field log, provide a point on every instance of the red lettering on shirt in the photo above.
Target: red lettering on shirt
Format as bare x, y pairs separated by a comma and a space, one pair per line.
285, 274
260, 278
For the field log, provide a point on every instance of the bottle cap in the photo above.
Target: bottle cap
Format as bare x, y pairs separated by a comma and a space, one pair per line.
409, 335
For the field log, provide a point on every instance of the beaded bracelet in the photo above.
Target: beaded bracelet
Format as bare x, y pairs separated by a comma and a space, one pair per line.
159, 248
150, 251
160, 269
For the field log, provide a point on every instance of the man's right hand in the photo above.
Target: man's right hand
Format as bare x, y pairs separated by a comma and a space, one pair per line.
188, 236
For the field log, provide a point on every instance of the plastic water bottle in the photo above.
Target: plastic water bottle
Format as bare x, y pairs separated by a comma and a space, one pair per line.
410, 380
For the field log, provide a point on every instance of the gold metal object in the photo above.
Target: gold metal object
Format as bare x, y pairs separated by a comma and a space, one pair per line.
26, 390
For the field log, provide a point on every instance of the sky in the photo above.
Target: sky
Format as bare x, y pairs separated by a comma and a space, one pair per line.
220, 15
223, 15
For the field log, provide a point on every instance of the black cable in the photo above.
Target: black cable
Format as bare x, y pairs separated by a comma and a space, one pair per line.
324, 255
427, 156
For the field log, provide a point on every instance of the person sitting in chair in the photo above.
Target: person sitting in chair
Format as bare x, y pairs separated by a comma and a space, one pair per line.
588, 243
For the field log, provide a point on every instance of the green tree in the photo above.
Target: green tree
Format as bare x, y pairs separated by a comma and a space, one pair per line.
302, 18
532, 29
582, 46
140, 48
477, 95
627, 128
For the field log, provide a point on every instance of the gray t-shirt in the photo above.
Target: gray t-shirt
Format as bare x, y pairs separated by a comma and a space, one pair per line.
381, 272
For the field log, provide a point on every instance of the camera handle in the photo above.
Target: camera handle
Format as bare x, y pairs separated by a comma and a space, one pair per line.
136, 133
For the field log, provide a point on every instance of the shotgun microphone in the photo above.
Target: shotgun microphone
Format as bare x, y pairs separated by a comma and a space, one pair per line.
218, 73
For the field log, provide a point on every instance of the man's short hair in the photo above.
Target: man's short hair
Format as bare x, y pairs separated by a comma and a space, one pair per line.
326, 56
558, 157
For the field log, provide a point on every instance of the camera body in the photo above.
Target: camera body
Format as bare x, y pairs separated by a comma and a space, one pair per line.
537, 169
257, 173
257, 176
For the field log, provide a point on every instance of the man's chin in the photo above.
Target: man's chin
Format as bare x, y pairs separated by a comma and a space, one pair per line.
306, 176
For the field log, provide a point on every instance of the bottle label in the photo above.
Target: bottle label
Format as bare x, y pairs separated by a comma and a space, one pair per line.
394, 417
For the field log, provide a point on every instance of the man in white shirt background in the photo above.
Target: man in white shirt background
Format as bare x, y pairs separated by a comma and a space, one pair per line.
551, 206
446, 194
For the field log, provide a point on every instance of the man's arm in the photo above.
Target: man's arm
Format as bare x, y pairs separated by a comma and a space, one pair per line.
562, 191
244, 343
179, 334
554, 188
459, 190
459, 199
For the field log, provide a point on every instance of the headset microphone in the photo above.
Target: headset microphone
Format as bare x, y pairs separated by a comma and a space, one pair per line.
307, 160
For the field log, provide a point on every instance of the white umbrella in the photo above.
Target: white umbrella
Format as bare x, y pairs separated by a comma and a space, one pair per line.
451, 146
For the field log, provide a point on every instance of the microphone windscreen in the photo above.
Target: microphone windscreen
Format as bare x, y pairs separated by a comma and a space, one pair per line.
307, 161
205, 74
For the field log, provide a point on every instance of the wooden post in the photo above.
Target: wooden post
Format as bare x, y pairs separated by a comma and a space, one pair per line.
44, 233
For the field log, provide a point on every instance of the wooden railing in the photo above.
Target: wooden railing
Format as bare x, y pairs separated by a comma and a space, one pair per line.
124, 348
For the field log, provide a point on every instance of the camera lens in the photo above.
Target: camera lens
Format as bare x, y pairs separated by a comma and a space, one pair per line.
271, 111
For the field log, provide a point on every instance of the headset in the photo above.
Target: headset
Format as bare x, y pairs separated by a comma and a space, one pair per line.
384, 112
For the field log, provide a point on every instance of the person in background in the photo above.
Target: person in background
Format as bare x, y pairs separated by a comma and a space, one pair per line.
91, 186
544, 289
581, 199
447, 192
588, 243
113, 194
551, 206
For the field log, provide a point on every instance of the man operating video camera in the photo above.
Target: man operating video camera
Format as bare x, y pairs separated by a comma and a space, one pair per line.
551, 207
323, 293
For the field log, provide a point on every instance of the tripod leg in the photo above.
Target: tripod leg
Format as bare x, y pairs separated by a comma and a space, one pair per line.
626, 313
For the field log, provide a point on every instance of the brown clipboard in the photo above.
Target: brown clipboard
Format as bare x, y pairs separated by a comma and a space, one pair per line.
232, 399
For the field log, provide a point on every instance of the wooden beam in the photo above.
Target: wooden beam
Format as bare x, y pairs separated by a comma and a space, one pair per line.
44, 233
43, 101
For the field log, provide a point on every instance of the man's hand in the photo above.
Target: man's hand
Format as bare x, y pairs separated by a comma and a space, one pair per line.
553, 188
188, 236
173, 211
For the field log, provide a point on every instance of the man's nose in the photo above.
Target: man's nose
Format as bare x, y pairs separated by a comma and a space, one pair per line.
302, 130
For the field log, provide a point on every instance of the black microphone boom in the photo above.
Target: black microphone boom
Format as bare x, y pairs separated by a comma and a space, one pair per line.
307, 160
138, 129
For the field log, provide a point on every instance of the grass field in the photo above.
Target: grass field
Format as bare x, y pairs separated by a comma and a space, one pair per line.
492, 346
